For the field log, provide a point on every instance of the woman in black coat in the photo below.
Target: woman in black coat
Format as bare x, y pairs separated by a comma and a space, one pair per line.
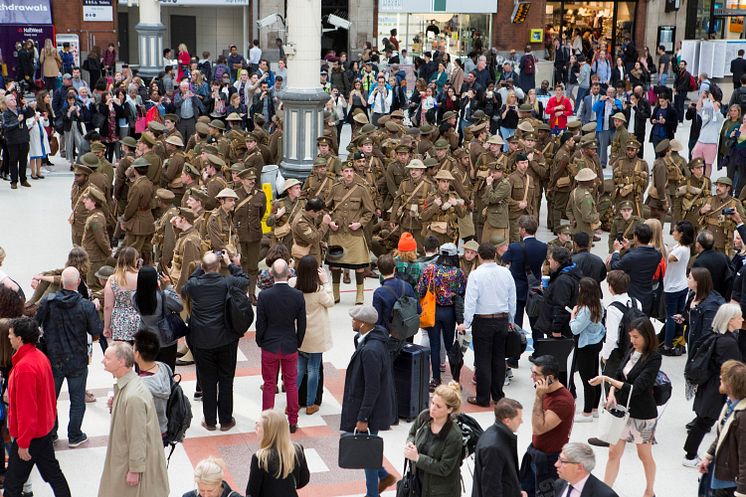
665, 119
634, 381
702, 304
562, 292
708, 401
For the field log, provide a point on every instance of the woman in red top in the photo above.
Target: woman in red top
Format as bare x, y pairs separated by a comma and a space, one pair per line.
559, 108
184, 60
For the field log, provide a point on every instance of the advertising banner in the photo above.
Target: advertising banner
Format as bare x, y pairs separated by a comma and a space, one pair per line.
25, 12
12, 35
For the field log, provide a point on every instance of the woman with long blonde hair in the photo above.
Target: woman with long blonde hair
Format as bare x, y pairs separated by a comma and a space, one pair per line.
50, 63
657, 241
279, 467
121, 319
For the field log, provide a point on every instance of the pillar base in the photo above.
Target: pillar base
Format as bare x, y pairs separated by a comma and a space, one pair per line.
150, 48
304, 123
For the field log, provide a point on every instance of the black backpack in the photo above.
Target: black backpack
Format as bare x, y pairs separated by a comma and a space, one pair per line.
700, 365
405, 319
662, 389
471, 430
629, 314
238, 311
741, 99
179, 414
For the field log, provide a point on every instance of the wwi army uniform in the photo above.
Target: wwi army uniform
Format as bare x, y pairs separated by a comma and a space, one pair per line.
442, 210
217, 139
187, 252
657, 200
561, 177
79, 213
154, 160
396, 172
537, 169
410, 201
495, 197
137, 221
308, 234
254, 158
564, 239
121, 185
214, 183
521, 195
624, 223
621, 137
698, 191
630, 175
677, 174
248, 214
290, 205
96, 178
482, 168
95, 238
349, 204
714, 216
581, 207
319, 182
324, 145
173, 167
220, 230
105, 166
164, 238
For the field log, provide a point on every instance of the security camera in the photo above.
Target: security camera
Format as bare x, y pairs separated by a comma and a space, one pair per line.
338, 22
270, 20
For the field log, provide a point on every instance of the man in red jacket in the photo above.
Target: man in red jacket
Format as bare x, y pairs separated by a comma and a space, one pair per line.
32, 409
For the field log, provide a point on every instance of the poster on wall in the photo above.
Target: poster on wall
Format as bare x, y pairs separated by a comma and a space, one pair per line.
98, 11
11, 38
74, 41
20, 12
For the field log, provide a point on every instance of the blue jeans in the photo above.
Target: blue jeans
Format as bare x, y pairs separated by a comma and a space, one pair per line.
309, 363
582, 92
675, 303
373, 476
76, 388
604, 140
506, 133
445, 323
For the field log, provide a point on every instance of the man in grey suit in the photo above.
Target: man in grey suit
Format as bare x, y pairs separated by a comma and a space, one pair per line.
585, 112
574, 466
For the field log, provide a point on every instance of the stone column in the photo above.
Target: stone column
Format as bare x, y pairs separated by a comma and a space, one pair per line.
303, 98
150, 38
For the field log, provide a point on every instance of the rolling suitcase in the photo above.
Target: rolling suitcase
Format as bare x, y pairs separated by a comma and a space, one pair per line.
412, 380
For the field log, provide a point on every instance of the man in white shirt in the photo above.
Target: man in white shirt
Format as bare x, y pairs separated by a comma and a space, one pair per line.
379, 100
611, 354
255, 55
574, 466
489, 304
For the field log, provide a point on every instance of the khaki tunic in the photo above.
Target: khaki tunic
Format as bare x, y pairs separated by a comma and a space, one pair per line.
698, 192
395, 174
582, 212
619, 143
722, 226
187, 255
621, 227
521, 190
439, 223
137, 217
164, 238
154, 171
220, 231
308, 234
357, 207
282, 226
79, 213
318, 187
215, 185
171, 173
495, 199
657, 192
247, 216
407, 207
255, 161
121, 185
630, 181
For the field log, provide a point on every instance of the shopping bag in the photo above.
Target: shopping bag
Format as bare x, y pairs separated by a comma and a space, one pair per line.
360, 451
427, 318
611, 422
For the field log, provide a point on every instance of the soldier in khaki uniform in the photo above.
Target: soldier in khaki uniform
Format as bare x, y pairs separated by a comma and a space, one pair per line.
537, 169
213, 179
561, 178
657, 199
319, 182
495, 194
324, 146
373, 163
410, 201
698, 191
563, 239
197, 140
105, 166
715, 217
95, 238
284, 211
196, 200
164, 238
248, 214
79, 213
677, 173
521, 195
368, 178
173, 166
476, 145
451, 134
443, 208
137, 221
216, 137
188, 250
145, 149
630, 175
190, 178
309, 230
220, 229
620, 138
469, 260
169, 125
396, 172
121, 184
254, 159
482, 169
275, 139
624, 224
581, 207
156, 129
350, 208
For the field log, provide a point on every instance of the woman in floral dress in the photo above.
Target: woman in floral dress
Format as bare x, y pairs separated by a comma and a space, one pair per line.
121, 320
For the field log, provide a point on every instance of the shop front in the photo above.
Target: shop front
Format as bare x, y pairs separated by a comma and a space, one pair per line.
423, 25
22, 20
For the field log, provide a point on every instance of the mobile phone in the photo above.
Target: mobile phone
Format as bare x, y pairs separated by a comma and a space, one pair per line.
620, 238
568, 309
219, 253
729, 211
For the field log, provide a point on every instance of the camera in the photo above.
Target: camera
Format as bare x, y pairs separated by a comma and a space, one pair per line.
729, 211
620, 237
219, 253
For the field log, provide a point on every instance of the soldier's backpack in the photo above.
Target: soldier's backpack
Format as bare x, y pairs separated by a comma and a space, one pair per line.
405, 319
179, 415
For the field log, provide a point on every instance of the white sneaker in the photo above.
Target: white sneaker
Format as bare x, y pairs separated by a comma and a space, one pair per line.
691, 463
507, 381
580, 418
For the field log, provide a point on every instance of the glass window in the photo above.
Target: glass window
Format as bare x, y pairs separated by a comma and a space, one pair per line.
458, 34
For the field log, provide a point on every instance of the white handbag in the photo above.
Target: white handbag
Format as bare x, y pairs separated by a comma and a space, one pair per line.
611, 423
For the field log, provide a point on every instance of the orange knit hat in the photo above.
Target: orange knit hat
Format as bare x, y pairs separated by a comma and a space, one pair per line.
407, 243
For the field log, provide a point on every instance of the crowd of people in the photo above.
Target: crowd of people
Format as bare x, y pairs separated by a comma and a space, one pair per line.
440, 191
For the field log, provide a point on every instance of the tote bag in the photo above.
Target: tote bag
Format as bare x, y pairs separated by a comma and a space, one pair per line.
360, 451
427, 318
612, 422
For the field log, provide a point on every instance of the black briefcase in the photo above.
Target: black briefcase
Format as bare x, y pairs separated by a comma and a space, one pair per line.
360, 451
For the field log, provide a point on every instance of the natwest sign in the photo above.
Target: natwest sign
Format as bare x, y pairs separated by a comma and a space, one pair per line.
25, 12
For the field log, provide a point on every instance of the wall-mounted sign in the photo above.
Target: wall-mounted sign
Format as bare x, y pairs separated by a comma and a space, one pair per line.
98, 11
537, 35
25, 12
520, 12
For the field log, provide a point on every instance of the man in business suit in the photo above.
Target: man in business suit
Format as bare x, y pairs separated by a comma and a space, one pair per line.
738, 68
574, 466
586, 113
714, 261
530, 253
280, 327
496, 455
640, 263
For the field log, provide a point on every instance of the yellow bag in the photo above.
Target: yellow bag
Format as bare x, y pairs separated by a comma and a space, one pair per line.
427, 317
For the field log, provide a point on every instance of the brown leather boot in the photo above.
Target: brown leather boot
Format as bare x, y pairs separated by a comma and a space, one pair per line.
359, 295
335, 292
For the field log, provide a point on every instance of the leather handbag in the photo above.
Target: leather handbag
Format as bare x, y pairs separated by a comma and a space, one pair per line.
427, 317
360, 451
611, 422
409, 485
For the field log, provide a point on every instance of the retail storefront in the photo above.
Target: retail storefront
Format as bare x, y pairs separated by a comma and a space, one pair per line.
423, 25
708, 19
22, 20
612, 21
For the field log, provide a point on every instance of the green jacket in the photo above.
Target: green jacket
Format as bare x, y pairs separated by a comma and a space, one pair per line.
495, 198
439, 469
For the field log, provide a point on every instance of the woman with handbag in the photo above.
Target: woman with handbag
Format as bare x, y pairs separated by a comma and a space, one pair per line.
702, 305
708, 401
434, 445
279, 467
586, 324
446, 280
313, 281
209, 478
148, 301
633, 386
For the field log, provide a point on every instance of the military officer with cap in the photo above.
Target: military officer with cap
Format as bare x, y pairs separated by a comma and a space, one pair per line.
350, 208
173, 165
95, 239
698, 191
677, 173
476, 145
196, 201
717, 215
97, 178
188, 249
581, 207
657, 199
164, 238
309, 230
169, 125
216, 137
621, 137
396, 171
495, 198
563, 239
145, 149
156, 129
190, 178
324, 145
283, 212
248, 214
521, 197
410, 201
137, 220
630, 174
443, 208
319, 182
79, 213
254, 159
448, 130
220, 229
561, 177
537, 169
213, 178
105, 166
623, 226
446, 162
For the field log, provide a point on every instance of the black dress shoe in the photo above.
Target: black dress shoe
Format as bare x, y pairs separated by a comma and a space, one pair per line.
293, 428
598, 442
227, 426
208, 427
473, 401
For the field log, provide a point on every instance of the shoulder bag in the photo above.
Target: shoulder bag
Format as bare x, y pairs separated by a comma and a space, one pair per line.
427, 317
360, 451
611, 422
